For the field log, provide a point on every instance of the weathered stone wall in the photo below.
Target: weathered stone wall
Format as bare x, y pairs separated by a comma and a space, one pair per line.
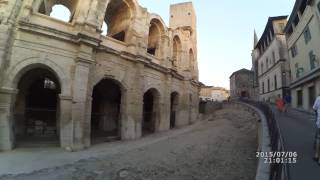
80, 57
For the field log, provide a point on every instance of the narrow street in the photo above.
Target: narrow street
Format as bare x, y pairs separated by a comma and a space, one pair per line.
221, 148
298, 131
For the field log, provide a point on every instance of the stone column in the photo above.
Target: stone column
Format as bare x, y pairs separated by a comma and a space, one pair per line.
79, 104
66, 124
165, 104
7, 99
131, 124
182, 116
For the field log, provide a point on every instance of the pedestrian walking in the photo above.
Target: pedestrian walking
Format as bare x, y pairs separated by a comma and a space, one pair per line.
316, 108
287, 102
280, 104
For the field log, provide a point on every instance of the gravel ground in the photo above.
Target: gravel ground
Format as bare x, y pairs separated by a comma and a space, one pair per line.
221, 148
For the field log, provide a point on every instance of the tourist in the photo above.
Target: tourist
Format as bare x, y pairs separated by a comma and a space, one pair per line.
287, 102
316, 108
279, 103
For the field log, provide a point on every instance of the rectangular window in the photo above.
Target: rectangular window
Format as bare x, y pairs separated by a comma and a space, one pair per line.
307, 35
273, 57
294, 51
299, 70
281, 26
312, 58
275, 82
268, 85
312, 95
262, 87
299, 98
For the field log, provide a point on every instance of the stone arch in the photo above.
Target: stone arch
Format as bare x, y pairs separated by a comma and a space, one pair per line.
15, 73
156, 31
108, 110
46, 7
37, 108
151, 113
176, 51
191, 60
118, 17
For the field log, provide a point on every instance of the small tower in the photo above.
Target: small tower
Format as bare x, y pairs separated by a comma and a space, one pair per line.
255, 41
183, 15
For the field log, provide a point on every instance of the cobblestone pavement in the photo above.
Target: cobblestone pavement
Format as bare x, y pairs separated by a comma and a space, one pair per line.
221, 148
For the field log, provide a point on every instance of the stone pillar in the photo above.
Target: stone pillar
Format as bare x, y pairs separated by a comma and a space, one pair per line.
165, 104
87, 123
79, 105
182, 117
132, 121
66, 124
164, 50
7, 99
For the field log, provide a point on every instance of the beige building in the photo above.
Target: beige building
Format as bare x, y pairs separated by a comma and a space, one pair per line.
70, 83
242, 84
270, 61
211, 93
303, 38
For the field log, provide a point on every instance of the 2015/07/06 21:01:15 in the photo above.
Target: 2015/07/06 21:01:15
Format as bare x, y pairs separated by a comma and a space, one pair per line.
278, 157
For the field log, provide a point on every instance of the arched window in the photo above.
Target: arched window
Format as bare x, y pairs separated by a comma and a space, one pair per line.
176, 51
62, 10
156, 30
117, 19
191, 60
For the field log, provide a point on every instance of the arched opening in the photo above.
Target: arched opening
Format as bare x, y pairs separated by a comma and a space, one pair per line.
244, 94
176, 51
150, 111
117, 19
154, 39
173, 109
191, 60
36, 109
106, 112
62, 10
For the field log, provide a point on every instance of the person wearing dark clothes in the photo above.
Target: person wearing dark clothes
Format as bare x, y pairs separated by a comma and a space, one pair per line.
287, 102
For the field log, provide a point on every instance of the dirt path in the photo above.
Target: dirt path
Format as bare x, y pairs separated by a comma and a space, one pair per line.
222, 148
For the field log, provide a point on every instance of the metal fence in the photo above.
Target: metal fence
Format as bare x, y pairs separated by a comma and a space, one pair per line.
279, 171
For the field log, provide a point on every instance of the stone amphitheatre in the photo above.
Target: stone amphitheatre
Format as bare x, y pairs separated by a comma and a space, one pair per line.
70, 84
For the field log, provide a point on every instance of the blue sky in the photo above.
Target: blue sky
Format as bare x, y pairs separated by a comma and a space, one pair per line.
225, 32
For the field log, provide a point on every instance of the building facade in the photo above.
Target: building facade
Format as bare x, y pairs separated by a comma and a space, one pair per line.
69, 82
242, 84
303, 38
211, 93
270, 61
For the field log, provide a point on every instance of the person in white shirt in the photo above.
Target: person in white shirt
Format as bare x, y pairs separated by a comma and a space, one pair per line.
316, 108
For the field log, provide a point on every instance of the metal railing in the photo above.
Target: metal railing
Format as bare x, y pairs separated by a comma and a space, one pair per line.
278, 170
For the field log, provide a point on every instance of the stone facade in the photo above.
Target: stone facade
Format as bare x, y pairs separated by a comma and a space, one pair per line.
242, 84
303, 38
141, 76
270, 61
211, 93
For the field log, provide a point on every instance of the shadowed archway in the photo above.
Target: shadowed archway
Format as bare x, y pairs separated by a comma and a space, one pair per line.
106, 112
36, 109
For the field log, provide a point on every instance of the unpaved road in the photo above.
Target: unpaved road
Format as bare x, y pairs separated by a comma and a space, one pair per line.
222, 148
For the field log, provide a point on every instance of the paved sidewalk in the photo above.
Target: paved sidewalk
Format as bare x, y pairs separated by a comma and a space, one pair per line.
298, 131
27, 160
